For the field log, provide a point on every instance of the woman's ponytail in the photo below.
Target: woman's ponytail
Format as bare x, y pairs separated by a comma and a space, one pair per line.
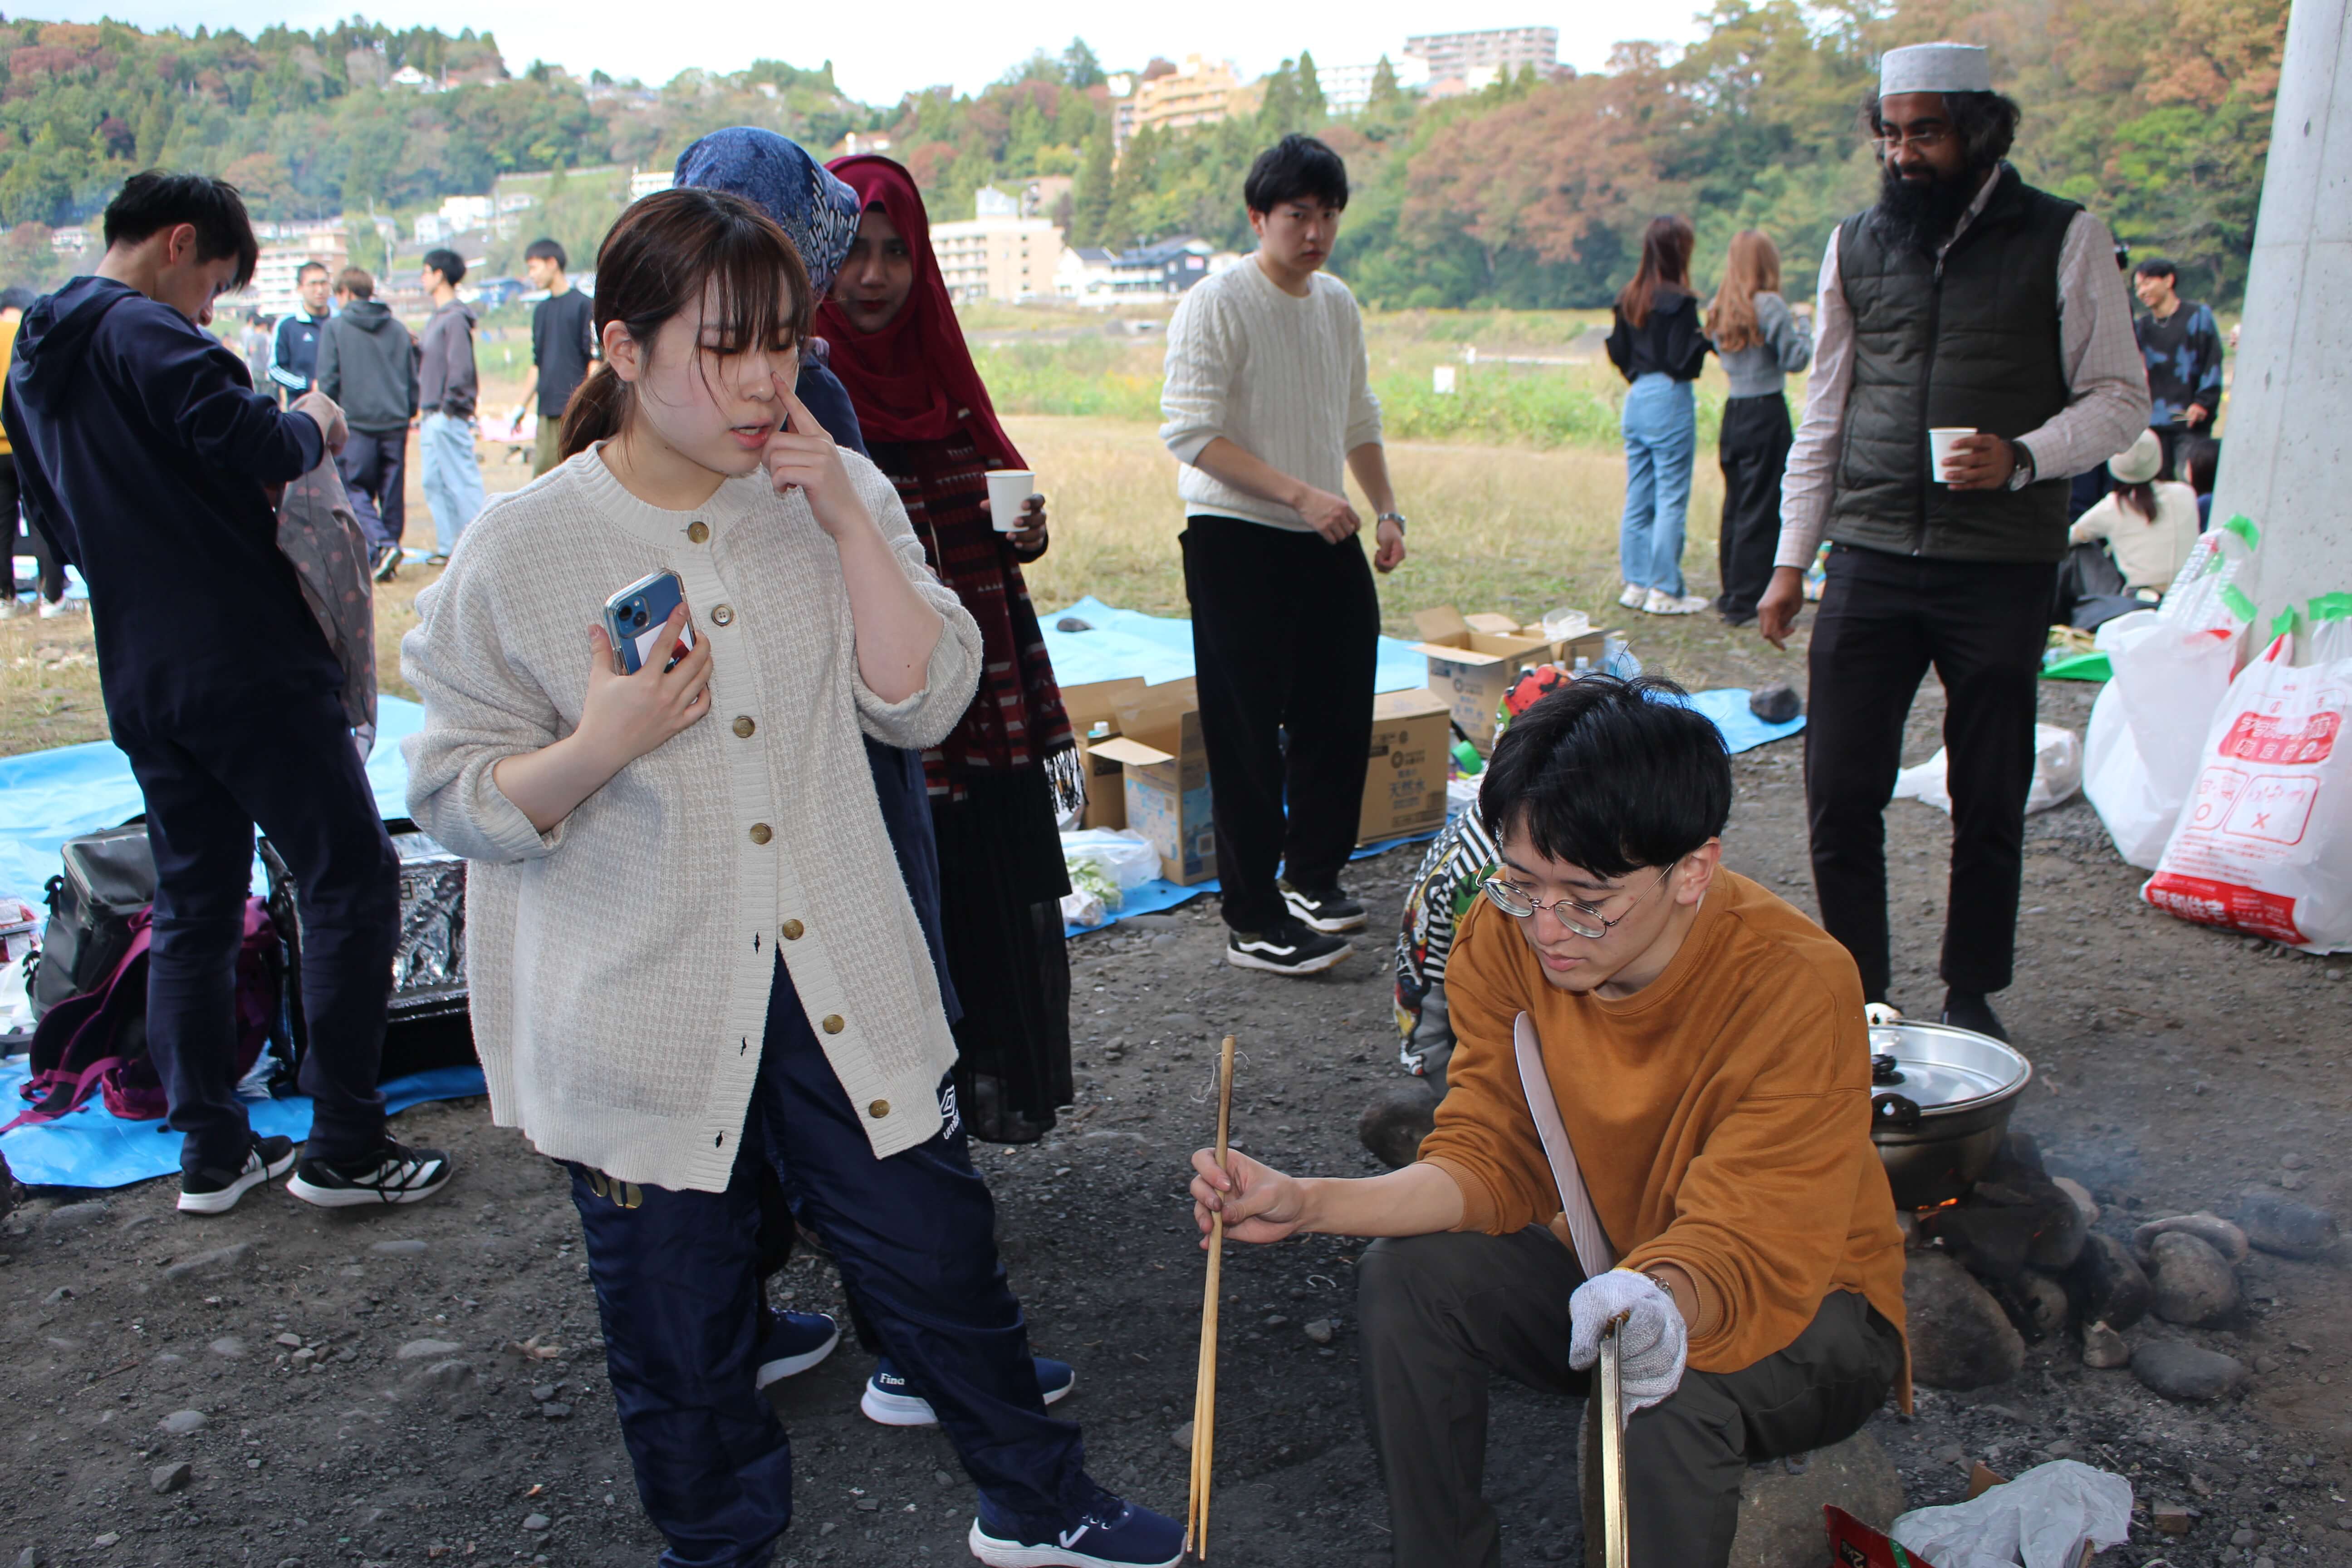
595, 413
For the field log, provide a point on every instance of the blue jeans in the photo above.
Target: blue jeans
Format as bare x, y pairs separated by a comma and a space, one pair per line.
453, 480
678, 1289
1661, 426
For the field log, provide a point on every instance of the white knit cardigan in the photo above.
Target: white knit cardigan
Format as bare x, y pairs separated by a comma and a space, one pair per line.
620, 964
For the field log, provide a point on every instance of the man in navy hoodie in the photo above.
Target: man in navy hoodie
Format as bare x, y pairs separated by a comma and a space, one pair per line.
147, 456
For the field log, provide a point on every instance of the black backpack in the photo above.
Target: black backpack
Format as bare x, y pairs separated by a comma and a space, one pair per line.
109, 877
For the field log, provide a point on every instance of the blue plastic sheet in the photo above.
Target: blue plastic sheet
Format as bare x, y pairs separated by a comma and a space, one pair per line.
1742, 730
1122, 644
1157, 894
92, 1147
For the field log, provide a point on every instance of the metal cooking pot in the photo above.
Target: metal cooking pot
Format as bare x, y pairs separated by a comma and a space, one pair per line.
1940, 1100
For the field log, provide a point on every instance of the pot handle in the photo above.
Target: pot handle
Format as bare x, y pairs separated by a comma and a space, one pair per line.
1896, 1111
1884, 1069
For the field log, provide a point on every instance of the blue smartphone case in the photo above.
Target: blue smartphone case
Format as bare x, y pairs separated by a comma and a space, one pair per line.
634, 618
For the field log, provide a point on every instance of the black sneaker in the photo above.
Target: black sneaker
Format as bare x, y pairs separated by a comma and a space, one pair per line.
387, 562
1328, 910
211, 1191
1973, 1010
1289, 949
394, 1173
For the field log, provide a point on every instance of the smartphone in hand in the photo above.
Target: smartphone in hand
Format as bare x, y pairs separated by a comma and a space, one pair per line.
633, 618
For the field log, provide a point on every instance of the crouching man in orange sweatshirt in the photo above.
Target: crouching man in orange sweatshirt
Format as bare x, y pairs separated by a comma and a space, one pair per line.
1704, 1044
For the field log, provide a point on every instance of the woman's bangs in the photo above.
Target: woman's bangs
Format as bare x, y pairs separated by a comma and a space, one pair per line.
744, 293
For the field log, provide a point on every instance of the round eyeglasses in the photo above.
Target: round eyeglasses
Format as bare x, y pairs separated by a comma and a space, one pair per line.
1580, 918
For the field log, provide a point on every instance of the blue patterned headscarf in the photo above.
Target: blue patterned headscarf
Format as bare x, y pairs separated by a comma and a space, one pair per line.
816, 211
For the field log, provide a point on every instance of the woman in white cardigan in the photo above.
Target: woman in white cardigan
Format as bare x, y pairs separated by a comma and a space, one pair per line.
690, 949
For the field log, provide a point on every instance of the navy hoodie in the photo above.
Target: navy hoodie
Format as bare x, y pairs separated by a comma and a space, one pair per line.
145, 454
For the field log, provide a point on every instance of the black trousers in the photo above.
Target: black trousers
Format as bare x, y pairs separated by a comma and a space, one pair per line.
374, 464
1285, 630
1884, 621
1752, 452
52, 578
286, 762
1442, 1314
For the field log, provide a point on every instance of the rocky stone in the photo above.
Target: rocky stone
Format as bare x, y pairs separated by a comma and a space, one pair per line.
2103, 1348
1780, 1505
1775, 704
446, 1377
2209, 1228
180, 1422
2194, 1284
2171, 1518
165, 1479
2061, 1238
291, 1342
426, 1350
1319, 1330
555, 1410
1181, 1437
2285, 1226
1960, 1338
219, 1261
29, 1558
2108, 1283
2084, 1201
541, 1392
1393, 1125
536, 1522
73, 1216
57, 1297
109, 1538
399, 1249
2044, 1303
228, 1346
1152, 922
2181, 1371
2244, 1536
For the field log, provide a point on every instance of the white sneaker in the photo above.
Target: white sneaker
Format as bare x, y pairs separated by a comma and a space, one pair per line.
1633, 596
1663, 603
50, 612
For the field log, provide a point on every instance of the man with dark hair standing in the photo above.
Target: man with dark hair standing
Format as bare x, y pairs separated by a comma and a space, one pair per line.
148, 456
562, 345
447, 391
1658, 1105
367, 363
294, 350
1267, 402
1966, 300
2181, 345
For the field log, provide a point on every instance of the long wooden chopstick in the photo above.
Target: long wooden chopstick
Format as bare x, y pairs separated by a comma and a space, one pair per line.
1204, 1386
1615, 1548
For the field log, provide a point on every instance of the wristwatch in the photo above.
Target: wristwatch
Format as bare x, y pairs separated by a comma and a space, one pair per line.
1395, 517
2021, 474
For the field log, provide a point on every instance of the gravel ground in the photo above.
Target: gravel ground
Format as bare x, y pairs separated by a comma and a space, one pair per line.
424, 1383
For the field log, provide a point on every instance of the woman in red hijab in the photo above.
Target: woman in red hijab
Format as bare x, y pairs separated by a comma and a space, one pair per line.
997, 782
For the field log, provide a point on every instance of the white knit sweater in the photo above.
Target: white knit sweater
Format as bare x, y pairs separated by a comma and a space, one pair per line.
620, 964
1282, 378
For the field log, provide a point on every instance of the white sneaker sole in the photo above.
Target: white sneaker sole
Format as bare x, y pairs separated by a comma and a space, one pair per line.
1328, 926
226, 1199
907, 1410
1013, 1554
1241, 960
784, 1367
362, 1197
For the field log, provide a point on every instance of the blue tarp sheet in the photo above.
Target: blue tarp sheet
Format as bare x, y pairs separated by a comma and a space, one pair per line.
1125, 643
93, 1149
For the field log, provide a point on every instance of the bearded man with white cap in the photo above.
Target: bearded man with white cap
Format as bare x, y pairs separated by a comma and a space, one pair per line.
1974, 351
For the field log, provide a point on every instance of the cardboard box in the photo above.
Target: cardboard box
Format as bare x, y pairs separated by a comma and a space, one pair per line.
1165, 778
1094, 714
1473, 659
1404, 787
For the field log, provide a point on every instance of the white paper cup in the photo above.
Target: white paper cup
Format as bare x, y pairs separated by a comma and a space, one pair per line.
1007, 489
1940, 442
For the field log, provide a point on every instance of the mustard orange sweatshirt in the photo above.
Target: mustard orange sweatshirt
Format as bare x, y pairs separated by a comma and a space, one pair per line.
1720, 1116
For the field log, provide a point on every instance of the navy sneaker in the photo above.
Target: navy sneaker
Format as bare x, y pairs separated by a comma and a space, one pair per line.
1111, 1534
211, 1191
888, 1399
795, 1341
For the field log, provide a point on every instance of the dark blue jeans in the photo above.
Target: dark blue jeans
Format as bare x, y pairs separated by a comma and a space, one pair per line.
283, 760
914, 1236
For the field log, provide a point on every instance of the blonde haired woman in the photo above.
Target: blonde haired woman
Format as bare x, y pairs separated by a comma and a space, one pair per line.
1760, 341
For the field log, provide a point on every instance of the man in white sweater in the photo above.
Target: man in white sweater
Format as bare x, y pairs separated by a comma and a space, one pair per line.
1268, 405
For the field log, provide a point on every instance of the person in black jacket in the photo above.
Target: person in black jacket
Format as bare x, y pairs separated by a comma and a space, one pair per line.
1656, 343
147, 456
367, 363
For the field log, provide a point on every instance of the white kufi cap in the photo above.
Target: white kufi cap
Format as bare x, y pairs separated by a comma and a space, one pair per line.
1935, 68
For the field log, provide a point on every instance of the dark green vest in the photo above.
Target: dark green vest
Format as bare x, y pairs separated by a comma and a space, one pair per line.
1969, 339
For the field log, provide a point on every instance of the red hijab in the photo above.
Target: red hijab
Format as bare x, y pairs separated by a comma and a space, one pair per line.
913, 380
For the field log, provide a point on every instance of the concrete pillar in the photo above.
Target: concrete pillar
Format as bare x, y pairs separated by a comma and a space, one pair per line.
2287, 455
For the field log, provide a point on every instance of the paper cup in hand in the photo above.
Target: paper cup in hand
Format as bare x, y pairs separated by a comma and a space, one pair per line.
1008, 490
1940, 442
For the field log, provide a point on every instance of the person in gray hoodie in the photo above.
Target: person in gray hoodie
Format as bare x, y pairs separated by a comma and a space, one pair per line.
367, 363
446, 391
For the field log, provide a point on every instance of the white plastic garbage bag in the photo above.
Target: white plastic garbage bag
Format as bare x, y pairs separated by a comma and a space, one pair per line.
1123, 856
2264, 843
2040, 1519
2138, 817
2057, 772
2147, 727
1081, 908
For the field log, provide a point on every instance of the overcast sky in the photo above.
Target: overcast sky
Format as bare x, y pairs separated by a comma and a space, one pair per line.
880, 51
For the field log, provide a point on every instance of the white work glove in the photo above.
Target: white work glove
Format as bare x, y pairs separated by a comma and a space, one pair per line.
1651, 1344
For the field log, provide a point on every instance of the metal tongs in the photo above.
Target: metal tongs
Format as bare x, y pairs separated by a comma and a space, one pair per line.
1616, 1552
